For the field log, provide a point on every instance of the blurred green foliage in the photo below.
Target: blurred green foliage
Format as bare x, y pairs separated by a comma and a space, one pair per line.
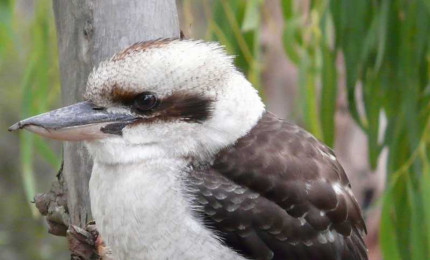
39, 89
385, 48
236, 25
29, 85
40, 80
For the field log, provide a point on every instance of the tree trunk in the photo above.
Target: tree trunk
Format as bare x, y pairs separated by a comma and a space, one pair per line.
88, 32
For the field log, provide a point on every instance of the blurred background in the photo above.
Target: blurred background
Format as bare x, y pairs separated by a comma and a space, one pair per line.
354, 73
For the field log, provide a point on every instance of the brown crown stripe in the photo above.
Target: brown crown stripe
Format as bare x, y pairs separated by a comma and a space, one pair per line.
141, 46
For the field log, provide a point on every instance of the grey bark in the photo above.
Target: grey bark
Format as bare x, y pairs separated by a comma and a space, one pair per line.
90, 31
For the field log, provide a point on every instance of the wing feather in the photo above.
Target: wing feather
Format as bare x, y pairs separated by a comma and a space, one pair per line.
278, 193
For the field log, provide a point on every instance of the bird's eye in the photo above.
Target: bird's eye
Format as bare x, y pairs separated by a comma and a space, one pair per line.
145, 101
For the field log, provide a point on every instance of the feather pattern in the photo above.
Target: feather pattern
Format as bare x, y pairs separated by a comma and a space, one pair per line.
278, 193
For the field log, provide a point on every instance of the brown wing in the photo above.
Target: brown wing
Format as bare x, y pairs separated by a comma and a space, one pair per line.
278, 193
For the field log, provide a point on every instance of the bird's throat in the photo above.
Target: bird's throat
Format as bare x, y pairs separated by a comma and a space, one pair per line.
142, 212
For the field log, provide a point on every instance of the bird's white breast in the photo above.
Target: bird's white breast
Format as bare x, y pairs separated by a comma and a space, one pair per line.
142, 212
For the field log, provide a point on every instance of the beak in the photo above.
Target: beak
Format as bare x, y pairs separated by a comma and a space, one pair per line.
81, 121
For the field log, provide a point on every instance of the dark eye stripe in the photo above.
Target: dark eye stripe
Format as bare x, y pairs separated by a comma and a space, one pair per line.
188, 107
192, 108
185, 106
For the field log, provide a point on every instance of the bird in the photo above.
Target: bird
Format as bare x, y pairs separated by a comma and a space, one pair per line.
188, 164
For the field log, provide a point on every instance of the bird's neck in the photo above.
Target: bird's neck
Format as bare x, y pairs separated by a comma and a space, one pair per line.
142, 211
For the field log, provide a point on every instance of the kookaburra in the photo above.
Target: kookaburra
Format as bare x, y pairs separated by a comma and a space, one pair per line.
189, 165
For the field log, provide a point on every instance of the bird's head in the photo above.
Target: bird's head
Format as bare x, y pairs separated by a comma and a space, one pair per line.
174, 97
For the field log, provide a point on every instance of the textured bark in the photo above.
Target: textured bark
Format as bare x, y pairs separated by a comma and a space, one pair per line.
88, 32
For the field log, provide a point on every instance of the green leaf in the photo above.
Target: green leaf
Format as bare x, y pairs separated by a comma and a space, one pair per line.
417, 237
39, 81
387, 233
328, 94
351, 21
382, 32
251, 20
26, 156
287, 9
290, 44
372, 102
307, 78
425, 188
47, 153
